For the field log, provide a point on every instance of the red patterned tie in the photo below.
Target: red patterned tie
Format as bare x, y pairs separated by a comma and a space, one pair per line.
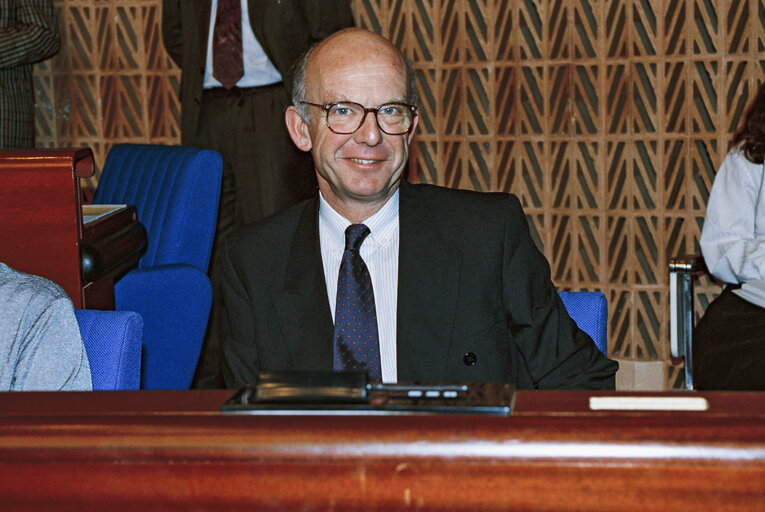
228, 66
356, 345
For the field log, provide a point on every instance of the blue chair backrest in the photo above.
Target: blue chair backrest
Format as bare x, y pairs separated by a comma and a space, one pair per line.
590, 312
175, 190
113, 344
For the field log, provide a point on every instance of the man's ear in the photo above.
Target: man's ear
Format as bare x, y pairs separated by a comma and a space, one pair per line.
298, 129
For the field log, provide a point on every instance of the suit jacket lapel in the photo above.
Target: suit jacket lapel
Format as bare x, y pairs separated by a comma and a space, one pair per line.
429, 269
303, 304
427, 288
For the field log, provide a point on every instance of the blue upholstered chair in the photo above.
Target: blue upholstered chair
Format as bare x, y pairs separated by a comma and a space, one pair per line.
175, 191
113, 344
590, 312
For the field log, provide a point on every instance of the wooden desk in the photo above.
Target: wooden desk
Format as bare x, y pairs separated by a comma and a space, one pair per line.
42, 229
159, 450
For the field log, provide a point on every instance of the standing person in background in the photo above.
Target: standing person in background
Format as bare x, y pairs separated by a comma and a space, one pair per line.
233, 101
28, 34
729, 340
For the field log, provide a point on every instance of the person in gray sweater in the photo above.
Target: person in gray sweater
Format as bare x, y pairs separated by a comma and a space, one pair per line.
40, 344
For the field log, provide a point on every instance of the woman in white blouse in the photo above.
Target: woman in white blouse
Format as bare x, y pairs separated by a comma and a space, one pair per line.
729, 340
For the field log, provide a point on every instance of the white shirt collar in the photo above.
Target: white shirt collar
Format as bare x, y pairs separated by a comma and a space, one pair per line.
382, 225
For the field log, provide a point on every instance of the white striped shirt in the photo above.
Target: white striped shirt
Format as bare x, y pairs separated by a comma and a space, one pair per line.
380, 253
258, 69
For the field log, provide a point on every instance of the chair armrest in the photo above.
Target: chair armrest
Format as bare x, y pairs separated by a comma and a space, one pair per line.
683, 271
113, 342
693, 264
589, 310
174, 301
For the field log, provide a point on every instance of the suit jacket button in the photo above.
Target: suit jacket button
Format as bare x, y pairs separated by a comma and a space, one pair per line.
469, 359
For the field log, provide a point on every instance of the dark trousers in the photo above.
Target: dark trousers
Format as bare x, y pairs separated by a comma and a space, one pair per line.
729, 345
263, 173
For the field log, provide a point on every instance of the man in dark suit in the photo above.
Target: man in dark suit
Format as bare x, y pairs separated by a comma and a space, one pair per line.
460, 292
239, 112
28, 34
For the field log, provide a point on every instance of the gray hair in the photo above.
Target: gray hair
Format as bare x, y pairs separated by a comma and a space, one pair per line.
299, 85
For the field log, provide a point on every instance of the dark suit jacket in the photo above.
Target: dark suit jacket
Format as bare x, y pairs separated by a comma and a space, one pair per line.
470, 280
28, 34
284, 28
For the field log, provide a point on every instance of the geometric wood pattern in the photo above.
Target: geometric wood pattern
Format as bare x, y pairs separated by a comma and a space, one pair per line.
608, 118
111, 81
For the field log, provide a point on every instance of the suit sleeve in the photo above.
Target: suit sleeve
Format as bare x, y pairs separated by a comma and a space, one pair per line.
238, 328
325, 17
33, 37
554, 352
172, 33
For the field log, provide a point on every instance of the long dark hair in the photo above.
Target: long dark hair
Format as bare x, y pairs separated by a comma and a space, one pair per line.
750, 137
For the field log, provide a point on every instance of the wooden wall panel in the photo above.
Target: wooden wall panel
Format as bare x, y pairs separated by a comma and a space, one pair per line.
608, 118
112, 80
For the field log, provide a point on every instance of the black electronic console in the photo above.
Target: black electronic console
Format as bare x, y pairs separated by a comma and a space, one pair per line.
351, 393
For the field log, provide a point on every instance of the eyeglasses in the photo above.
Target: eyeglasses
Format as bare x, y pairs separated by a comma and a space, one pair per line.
345, 117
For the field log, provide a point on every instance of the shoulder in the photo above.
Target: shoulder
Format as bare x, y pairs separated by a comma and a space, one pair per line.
459, 203
437, 192
468, 219
277, 225
25, 288
736, 161
26, 298
737, 173
272, 234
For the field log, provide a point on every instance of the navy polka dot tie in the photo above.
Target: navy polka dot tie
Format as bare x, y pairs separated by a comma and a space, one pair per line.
356, 345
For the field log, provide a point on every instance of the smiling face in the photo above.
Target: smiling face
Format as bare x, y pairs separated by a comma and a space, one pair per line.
357, 173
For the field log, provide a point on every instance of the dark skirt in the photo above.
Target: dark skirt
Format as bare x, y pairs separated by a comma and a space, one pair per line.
729, 345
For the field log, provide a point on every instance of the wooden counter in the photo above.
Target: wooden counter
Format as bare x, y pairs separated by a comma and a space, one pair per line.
152, 450
43, 230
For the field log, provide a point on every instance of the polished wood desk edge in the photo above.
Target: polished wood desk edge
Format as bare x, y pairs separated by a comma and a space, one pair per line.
526, 403
79, 160
168, 450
